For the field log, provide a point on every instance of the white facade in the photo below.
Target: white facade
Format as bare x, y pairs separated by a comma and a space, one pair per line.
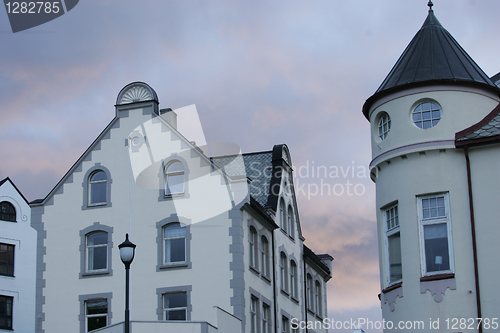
436, 190
17, 261
191, 218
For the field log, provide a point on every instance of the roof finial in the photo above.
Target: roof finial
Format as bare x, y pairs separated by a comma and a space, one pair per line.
430, 4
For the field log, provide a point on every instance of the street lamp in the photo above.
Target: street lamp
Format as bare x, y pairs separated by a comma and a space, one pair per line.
127, 252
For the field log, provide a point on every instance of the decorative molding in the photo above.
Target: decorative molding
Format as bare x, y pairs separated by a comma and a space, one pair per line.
391, 296
438, 287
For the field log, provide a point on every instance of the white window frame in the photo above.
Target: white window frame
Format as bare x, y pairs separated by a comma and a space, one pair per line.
88, 316
291, 221
384, 126
284, 272
253, 240
264, 255
390, 231
293, 279
166, 310
172, 174
90, 256
96, 182
283, 220
254, 306
164, 239
433, 221
317, 298
309, 292
266, 315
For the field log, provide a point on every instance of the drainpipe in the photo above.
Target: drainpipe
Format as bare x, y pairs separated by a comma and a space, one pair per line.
473, 233
274, 286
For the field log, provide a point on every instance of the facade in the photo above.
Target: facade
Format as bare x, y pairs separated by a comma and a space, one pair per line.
219, 243
17, 261
435, 127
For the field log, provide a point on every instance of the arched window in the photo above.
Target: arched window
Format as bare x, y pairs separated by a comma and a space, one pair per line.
174, 178
317, 297
7, 212
284, 272
97, 251
264, 253
282, 215
293, 279
97, 188
291, 222
309, 293
174, 243
254, 254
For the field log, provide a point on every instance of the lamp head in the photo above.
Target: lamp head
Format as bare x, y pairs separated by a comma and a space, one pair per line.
127, 251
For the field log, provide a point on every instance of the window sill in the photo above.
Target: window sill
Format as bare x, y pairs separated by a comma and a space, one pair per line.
173, 265
437, 277
285, 293
393, 287
95, 274
266, 279
295, 300
254, 270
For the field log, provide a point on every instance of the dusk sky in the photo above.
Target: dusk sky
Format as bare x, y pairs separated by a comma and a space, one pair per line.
260, 73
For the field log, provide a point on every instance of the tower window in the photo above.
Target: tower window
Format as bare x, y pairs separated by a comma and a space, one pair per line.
384, 126
426, 115
393, 245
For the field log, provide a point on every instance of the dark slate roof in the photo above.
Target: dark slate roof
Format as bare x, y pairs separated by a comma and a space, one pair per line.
485, 131
433, 56
255, 165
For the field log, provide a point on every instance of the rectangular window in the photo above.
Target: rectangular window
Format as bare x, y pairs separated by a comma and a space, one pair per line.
6, 312
254, 305
393, 245
96, 314
266, 314
6, 259
175, 306
285, 325
435, 234
97, 251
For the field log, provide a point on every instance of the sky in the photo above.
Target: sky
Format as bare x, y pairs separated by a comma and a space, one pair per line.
260, 73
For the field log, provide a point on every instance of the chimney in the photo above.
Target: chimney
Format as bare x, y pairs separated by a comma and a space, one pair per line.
169, 116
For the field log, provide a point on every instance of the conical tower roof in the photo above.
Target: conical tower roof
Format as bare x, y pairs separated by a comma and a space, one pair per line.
432, 57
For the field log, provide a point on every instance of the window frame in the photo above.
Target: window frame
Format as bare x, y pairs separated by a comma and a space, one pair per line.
309, 292
283, 219
266, 318
294, 292
284, 272
169, 309
431, 119
87, 191
160, 292
7, 264
160, 225
384, 119
84, 233
390, 231
87, 316
285, 324
83, 308
291, 222
167, 174
253, 249
93, 255
12, 215
7, 316
264, 255
164, 239
422, 222
254, 314
318, 298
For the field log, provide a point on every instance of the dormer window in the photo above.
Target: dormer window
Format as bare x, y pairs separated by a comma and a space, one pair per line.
427, 115
384, 126
174, 178
7, 212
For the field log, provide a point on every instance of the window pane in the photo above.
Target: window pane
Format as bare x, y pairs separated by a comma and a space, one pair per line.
175, 167
436, 247
176, 315
175, 250
97, 306
96, 322
99, 175
395, 262
97, 193
97, 238
7, 212
98, 257
175, 184
174, 230
175, 300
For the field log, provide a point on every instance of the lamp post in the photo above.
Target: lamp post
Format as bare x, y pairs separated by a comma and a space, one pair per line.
127, 252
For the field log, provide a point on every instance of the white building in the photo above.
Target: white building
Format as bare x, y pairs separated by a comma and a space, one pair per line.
17, 261
435, 133
219, 242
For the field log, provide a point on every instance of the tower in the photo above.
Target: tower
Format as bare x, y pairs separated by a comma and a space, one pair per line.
433, 112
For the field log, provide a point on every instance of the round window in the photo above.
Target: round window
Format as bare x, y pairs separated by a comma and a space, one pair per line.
427, 115
384, 126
